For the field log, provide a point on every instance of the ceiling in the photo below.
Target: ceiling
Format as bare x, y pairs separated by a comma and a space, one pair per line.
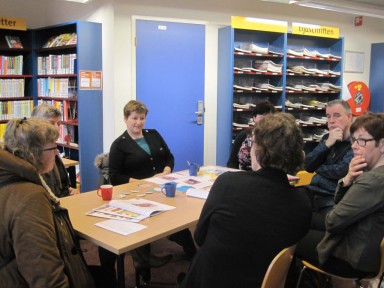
370, 8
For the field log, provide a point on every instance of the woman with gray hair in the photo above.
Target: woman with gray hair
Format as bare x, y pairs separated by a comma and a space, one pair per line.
251, 216
57, 178
38, 247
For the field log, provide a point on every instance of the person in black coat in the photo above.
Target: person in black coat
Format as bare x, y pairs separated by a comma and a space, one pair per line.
142, 153
250, 216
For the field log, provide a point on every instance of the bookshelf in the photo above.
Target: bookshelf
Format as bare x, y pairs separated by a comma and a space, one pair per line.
16, 77
290, 91
56, 82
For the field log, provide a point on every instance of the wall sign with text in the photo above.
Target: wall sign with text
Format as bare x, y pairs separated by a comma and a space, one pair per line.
91, 80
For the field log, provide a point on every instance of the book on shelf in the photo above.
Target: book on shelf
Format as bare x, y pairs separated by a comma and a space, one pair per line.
133, 210
14, 42
61, 40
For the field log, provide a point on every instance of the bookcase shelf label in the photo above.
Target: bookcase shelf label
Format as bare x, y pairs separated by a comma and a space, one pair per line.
11, 23
259, 24
315, 30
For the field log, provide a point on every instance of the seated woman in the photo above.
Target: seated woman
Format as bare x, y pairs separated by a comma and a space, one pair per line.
250, 216
142, 153
57, 179
240, 157
38, 247
350, 246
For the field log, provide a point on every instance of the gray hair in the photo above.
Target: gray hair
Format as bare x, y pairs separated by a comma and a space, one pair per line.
45, 111
25, 138
342, 103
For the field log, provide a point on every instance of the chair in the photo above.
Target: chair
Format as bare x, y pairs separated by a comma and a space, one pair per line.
380, 275
278, 269
101, 163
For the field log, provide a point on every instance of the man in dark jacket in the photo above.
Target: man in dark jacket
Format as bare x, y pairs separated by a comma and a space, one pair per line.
330, 160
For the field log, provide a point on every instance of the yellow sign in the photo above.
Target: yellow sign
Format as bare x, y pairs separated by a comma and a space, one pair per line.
315, 30
12, 23
259, 24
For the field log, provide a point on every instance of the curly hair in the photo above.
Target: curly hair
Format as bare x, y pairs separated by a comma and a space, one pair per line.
25, 138
135, 106
279, 143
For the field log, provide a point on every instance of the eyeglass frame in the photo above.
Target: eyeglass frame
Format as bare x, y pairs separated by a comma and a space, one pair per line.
360, 141
50, 149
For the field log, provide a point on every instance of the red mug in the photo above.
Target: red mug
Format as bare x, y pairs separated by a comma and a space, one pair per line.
106, 192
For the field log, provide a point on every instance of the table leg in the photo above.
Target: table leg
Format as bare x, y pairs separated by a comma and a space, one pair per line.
120, 271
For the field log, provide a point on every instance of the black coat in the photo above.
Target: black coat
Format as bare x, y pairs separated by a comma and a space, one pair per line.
127, 159
247, 219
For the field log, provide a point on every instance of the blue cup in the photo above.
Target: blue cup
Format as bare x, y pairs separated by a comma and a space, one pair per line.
193, 169
169, 189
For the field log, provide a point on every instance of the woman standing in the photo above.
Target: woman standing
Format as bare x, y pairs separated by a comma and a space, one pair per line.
250, 216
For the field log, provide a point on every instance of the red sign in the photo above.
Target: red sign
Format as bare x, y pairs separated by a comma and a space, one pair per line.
359, 21
360, 97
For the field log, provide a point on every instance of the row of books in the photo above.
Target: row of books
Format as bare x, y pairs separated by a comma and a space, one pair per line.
311, 120
12, 87
258, 66
15, 109
11, 65
299, 69
302, 103
250, 48
61, 40
68, 135
56, 64
320, 87
68, 109
57, 87
2, 131
311, 53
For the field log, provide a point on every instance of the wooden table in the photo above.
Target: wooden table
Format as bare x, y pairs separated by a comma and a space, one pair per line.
70, 165
185, 215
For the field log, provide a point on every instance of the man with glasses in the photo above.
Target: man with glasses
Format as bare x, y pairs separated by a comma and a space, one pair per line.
329, 160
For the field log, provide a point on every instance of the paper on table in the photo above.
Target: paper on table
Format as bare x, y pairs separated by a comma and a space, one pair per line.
198, 193
121, 227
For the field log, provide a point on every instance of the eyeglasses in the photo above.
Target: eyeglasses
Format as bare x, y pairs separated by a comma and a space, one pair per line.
361, 142
49, 149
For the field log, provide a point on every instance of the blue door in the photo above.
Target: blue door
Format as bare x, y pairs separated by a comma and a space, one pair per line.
170, 81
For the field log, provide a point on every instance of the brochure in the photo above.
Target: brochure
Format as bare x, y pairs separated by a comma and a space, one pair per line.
120, 227
197, 193
143, 207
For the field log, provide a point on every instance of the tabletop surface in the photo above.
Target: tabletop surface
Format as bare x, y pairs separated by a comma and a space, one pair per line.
69, 162
185, 215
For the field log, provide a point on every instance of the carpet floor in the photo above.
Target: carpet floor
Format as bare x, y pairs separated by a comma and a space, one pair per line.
163, 277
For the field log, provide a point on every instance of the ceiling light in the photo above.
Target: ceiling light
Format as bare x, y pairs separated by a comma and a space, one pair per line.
78, 1
355, 10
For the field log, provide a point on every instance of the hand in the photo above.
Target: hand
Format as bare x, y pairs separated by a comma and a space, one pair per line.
356, 168
167, 170
73, 191
334, 136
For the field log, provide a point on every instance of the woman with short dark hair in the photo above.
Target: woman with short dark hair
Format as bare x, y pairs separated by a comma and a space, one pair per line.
250, 216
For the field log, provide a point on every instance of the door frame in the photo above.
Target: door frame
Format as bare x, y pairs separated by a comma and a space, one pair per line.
210, 76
